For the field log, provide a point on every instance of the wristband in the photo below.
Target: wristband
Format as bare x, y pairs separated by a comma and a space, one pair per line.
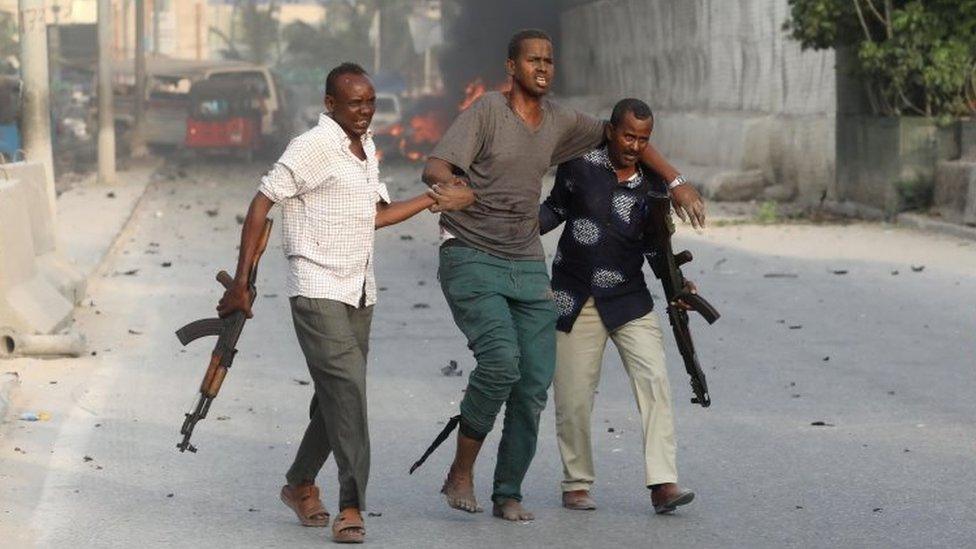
677, 181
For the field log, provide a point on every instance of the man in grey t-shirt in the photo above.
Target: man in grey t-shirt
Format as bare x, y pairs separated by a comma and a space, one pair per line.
492, 268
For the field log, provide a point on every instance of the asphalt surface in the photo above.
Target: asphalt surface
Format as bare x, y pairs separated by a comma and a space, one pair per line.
816, 327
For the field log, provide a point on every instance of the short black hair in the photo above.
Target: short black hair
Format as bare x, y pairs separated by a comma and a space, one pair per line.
345, 68
638, 108
515, 44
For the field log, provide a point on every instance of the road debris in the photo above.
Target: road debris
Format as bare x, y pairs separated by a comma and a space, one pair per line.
239, 218
372, 514
167, 263
918, 268
451, 370
822, 424
840, 271
781, 275
894, 272
135, 332
300, 381
87, 459
421, 306
213, 212
110, 194
406, 237
223, 418
796, 326
34, 416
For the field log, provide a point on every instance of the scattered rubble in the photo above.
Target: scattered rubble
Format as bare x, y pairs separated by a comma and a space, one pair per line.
451, 370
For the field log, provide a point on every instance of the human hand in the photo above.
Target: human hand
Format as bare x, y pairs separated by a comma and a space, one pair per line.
690, 288
688, 205
236, 298
453, 196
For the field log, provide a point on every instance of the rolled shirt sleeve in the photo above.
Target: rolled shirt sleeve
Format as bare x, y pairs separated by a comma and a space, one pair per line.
382, 193
280, 183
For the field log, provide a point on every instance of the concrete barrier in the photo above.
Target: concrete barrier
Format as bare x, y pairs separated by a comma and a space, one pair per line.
65, 277
29, 303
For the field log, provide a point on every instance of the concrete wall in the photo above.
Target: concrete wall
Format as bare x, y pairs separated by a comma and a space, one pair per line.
731, 91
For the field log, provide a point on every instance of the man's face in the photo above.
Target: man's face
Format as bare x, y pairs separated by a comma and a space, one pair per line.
628, 139
533, 69
354, 103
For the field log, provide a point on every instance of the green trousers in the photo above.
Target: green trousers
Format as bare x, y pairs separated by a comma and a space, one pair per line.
505, 309
335, 340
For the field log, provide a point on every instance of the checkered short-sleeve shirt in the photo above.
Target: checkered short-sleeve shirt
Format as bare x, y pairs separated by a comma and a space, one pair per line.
328, 200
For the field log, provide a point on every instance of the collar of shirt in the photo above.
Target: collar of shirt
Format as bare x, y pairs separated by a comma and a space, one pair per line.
600, 156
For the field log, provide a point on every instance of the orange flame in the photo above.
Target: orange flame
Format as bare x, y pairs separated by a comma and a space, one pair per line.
472, 92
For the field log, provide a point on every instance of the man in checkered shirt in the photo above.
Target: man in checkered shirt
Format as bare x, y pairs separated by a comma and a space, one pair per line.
327, 182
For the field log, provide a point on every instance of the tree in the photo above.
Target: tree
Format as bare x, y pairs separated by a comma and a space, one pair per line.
916, 57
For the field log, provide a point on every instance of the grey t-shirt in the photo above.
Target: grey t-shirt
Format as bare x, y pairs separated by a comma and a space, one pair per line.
505, 160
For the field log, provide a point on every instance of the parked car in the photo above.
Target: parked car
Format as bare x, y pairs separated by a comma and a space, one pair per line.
167, 100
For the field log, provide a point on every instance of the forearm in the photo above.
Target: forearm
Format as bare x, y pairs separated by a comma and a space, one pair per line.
548, 220
401, 210
651, 157
438, 172
257, 212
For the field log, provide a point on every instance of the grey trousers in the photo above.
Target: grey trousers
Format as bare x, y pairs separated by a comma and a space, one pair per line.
335, 340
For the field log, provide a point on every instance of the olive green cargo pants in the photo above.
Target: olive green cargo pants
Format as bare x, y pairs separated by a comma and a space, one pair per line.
505, 309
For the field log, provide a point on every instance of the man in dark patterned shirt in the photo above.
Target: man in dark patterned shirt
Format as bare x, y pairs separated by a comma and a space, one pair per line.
599, 291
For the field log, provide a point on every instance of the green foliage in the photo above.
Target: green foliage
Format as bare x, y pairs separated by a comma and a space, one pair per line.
917, 57
768, 213
914, 194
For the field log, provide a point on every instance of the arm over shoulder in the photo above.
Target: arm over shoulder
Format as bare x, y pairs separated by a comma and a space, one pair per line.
579, 133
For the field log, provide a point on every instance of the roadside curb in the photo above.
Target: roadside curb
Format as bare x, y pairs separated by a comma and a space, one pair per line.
8, 382
924, 223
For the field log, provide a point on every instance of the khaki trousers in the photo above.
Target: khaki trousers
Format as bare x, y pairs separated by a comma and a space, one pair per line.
579, 358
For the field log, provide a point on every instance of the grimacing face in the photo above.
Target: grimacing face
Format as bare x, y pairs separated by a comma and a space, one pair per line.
628, 139
354, 103
533, 69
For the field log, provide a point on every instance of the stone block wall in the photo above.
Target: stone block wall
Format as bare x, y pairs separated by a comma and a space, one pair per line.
730, 90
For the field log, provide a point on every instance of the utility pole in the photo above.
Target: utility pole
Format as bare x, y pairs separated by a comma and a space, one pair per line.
106, 122
155, 28
376, 30
36, 116
138, 141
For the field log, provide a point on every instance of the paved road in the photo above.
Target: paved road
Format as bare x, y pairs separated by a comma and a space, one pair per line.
884, 359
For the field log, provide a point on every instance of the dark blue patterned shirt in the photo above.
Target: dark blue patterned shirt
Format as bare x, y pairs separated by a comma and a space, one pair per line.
601, 250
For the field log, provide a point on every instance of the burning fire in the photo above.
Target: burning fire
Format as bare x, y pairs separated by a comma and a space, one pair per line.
472, 92
418, 135
476, 88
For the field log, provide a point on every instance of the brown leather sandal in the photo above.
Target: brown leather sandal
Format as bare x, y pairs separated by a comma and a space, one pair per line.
348, 527
304, 501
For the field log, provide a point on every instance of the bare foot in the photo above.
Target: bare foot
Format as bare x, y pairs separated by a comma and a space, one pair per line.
458, 490
510, 509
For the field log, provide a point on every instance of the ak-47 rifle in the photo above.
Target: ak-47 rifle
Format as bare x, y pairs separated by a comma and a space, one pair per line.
667, 267
228, 331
